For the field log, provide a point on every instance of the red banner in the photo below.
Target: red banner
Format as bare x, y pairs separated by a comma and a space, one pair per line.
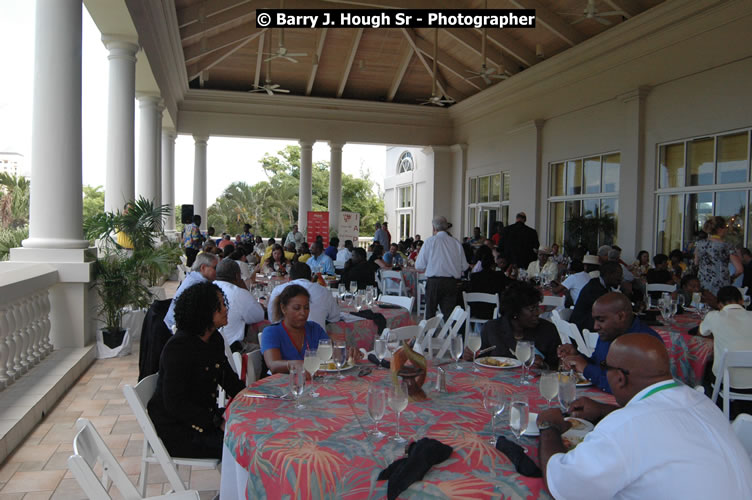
318, 224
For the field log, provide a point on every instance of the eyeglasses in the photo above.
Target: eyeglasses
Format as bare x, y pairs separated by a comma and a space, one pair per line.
606, 367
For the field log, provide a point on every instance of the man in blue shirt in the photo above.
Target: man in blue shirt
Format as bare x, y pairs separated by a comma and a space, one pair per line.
612, 318
331, 250
392, 257
204, 269
380, 236
320, 262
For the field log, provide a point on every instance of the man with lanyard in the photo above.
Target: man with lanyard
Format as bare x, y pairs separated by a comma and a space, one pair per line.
443, 260
319, 262
193, 240
662, 439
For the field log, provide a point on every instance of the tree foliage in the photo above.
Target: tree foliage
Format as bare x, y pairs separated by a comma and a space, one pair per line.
271, 206
93, 200
14, 201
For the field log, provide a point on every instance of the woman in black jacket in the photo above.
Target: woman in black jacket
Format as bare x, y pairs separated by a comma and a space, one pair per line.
184, 406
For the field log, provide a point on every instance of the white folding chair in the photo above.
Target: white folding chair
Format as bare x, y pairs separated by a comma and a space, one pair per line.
409, 332
253, 371
563, 314
181, 273
590, 338
89, 449
392, 282
429, 329
406, 302
660, 287
579, 340
742, 426
562, 327
451, 326
731, 360
339, 264
486, 298
553, 301
742, 290
154, 450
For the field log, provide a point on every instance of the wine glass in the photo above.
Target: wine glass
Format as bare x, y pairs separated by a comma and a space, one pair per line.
494, 402
456, 349
392, 343
340, 357
311, 363
398, 402
325, 350
473, 343
379, 349
342, 289
567, 389
297, 383
519, 415
376, 407
524, 351
353, 287
369, 298
549, 385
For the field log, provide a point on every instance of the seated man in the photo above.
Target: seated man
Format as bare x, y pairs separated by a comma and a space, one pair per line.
613, 317
579, 277
323, 306
393, 257
660, 274
359, 269
544, 266
331, 250
304, 253
610, 278
242, 308
204, 269
345, 253
663, 440
318, 262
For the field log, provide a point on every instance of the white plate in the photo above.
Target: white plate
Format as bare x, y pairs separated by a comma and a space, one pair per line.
507, 362
330, 370
575, 436
584, 383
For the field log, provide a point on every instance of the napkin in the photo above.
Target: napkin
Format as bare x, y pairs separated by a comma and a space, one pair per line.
373, 359
421, 456
516, 454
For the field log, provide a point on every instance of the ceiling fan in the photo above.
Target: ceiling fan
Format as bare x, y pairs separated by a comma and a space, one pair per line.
486, 73
281, 52
269, 87
591, 12
435, 99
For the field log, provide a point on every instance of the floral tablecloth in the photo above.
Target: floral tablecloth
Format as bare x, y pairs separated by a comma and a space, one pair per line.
689, 354
272, 450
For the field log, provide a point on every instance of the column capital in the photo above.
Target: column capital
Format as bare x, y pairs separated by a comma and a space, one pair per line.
121, 46
170, 133
201, 139
458, 148
148, 99
306, 143
336, 145
640, 92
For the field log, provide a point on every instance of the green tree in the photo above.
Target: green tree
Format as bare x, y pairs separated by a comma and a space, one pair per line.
93, 201
14, 201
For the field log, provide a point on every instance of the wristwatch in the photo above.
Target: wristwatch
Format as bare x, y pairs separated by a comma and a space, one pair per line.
548, 425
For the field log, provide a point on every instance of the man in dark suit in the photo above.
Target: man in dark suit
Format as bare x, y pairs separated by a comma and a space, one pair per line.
611, 276
359, 269
520, 242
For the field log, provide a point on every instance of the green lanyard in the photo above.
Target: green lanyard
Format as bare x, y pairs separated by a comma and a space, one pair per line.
659, 389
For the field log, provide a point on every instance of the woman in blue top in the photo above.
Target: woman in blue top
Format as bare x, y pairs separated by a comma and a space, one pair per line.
288, 340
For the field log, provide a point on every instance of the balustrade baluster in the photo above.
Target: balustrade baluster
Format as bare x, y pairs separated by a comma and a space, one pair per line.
5, 379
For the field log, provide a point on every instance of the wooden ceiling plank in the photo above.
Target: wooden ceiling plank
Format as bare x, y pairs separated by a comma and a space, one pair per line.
551, 20
628, 7
259, 60
221, 40
205, 9
514, 47
440, 82
208, 62
447, 61
350, 59
407, 56
387, 4
223, 18
317, 58
472, 42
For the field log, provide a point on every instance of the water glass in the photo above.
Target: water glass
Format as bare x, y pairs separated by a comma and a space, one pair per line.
567, 389
524, 352
549, 385
311, 363
376, 407
353, 287
392, 343
342, 289
519, 415
456, 349
494, 401
398, 402
325, 350
379, 349
297, 383
340, 357
474, 343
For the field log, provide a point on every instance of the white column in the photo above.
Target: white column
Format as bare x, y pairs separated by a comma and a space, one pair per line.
335, 184
168, 176
305, 190
55, 212
199, 178
146, 179
121, 116
158, 152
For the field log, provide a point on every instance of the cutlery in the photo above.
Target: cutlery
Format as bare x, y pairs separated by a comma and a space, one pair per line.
266, 396
487, 349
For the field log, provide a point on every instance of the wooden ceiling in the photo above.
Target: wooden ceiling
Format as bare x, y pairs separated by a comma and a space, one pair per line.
224, 50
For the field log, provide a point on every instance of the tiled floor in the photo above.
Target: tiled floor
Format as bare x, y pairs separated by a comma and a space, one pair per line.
38, 468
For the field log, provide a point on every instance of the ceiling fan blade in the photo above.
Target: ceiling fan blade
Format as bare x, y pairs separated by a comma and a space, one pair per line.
297, 54
578, 21
269, 91
290, 59
272, 86
611, 13
486, 80
602, 20
570, 13
284, 91
274, 56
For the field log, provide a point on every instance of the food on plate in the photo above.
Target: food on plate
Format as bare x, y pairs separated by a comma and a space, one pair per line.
495, 362
577, 424
570, 442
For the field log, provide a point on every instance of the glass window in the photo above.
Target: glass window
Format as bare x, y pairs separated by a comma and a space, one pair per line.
484, 217
574, 177
732, 158
611, 166
505, 187
496, 187
406, 197
591, 207
670, 215
609, 221
700, 161
558, 179
671, 165
556, 224
592, 172
473, 190
731, 206
405, 163
405, 229
471, 220
505, 214
699, 208
483, 185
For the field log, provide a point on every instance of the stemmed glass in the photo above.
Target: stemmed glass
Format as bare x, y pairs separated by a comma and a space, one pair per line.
456, 349
519, 415
524, 351
297, 383
353, 287
549, 385
311, 363
376, 408
473, 343
325, 350
567, 389
342, 289
494, 402
379, 349
340, 357
398, 402
392, 343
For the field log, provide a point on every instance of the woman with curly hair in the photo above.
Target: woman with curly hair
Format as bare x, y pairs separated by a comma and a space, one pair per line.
520, 307
276, 262
184, 405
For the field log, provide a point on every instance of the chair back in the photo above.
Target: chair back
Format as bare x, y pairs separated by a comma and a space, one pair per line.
579, 340
590, 338
254, 367
423, 342
731, 360
237, 363
409, 332
449, 330
392, 282
339, 264
475, 297
742, 426
562, 327
406, 302
660, 287
742, 290
553, 301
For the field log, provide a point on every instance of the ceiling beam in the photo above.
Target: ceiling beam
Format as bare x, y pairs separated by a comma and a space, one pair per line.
205, 9
223, 18
446, 60
387, 4
216, 57
221, 40
512, 46
316, 59
472, 42
628, 7
350, 59
444, 88
407, 56
551, 20
259, 60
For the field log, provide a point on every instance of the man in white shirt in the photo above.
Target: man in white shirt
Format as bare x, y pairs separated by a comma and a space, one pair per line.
544, 266
204, 269
345, 253
732, 329
443, 260
323, 306
579, 278
242, 308
295, 237
663, 440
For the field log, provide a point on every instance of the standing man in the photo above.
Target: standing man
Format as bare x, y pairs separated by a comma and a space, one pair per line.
193, 240
380, 236
295, 237
385, 228
520, 242
443, 260
247, 237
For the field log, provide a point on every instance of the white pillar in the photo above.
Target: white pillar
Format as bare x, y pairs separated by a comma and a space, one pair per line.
146, 180
158, 152
55, 212
335, 184
168, 176
121, 117
199, 178
305, 190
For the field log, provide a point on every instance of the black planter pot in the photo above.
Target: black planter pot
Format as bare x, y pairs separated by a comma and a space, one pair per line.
113, 339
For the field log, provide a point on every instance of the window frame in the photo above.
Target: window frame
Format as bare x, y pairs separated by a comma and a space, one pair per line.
474, 207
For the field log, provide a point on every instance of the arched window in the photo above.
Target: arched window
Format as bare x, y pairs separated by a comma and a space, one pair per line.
406, 163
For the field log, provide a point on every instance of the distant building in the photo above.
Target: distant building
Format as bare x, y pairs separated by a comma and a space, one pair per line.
13, 164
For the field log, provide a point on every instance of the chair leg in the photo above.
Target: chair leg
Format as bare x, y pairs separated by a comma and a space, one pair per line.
144, 470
